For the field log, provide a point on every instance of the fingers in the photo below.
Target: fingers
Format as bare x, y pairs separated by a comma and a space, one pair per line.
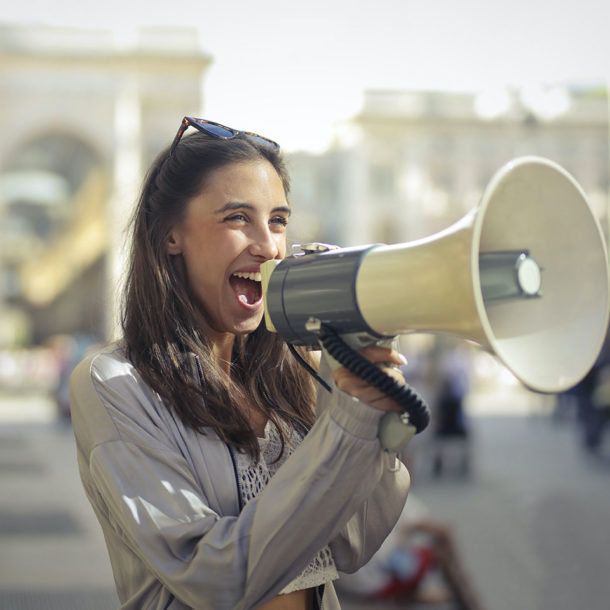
376, 354
364, 391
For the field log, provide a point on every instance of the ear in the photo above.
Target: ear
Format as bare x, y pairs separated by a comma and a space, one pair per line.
174, 243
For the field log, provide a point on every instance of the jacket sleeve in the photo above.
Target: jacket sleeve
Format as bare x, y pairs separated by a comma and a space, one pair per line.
374, 519
157, 506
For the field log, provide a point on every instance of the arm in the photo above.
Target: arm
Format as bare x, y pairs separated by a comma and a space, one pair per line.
157, 506
369, 526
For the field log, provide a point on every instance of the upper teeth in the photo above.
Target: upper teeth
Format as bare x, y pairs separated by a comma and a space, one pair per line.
256, 276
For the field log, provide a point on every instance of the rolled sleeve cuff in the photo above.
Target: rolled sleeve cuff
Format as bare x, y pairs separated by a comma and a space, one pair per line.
353, 416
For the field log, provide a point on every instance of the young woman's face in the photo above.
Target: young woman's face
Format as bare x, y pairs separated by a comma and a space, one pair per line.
236, 223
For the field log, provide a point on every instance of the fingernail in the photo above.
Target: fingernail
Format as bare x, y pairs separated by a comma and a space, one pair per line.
403, 359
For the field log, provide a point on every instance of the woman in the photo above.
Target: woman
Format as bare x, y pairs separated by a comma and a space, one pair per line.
218, 480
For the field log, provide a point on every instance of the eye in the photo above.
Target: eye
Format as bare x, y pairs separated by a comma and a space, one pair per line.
236, 218
279, 220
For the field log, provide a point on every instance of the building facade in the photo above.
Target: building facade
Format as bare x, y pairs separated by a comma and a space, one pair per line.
82, 112
412, 163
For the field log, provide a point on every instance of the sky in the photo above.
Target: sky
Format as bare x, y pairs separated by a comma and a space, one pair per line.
290, 70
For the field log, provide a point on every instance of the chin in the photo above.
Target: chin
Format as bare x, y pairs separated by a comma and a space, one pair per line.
247, 326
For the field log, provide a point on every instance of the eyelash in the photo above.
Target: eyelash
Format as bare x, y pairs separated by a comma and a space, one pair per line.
280, 220
234, 217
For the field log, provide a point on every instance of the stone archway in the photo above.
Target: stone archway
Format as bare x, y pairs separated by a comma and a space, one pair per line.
82, 113
38, 184
54, 192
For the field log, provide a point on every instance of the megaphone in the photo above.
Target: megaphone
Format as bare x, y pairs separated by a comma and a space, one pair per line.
524, 275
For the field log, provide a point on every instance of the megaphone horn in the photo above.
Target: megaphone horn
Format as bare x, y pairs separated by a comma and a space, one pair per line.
525, 275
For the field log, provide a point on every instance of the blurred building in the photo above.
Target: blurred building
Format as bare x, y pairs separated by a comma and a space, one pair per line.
413, 162
81, 113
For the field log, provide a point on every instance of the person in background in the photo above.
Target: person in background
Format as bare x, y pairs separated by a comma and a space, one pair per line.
418, 563
221, 477
451, 428
592, 396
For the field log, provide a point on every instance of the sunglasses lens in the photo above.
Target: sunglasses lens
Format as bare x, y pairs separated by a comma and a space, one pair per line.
217, 130
263, 141
220, 131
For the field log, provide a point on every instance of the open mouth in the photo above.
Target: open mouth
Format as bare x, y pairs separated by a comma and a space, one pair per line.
247, 287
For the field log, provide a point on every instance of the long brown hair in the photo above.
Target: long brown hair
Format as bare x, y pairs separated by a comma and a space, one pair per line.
163, 339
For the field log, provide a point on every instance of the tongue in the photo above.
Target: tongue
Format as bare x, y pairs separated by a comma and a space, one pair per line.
247, 291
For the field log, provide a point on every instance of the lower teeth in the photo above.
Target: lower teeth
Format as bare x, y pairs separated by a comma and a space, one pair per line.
243, 298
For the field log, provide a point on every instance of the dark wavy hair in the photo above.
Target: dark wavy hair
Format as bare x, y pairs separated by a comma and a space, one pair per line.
162, 328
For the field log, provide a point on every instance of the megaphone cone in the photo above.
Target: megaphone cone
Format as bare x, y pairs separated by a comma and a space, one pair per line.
525, 275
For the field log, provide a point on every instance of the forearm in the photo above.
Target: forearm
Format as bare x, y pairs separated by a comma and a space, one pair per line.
323, 486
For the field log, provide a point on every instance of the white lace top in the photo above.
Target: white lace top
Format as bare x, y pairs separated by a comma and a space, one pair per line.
252, 480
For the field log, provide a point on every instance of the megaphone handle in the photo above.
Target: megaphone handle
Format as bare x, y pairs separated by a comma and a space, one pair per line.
403, 394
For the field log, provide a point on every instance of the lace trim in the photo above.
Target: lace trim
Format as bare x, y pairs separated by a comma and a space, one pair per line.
253, 478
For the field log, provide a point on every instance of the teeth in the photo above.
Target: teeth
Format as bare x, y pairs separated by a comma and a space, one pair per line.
256, 277
243, 298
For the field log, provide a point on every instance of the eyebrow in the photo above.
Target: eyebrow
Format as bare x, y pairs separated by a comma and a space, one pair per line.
237, 205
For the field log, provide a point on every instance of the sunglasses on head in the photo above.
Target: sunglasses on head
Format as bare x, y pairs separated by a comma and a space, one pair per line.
217, 130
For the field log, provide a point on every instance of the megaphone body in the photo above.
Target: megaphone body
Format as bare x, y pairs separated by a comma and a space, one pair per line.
524, 275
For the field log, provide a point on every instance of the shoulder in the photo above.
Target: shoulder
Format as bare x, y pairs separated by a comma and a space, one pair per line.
108, 395
108, 370
104, 363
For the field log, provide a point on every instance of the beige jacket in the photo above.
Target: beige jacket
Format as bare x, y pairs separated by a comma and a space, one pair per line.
168, 503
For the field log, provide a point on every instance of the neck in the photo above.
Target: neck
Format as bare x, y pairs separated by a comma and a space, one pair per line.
221, 342
222, 348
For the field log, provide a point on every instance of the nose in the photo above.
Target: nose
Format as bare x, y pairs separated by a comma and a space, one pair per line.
265, 243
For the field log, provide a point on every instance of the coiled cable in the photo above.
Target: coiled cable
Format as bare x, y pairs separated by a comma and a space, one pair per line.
403, 394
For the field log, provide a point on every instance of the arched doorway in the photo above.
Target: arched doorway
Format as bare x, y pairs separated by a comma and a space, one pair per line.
52, 191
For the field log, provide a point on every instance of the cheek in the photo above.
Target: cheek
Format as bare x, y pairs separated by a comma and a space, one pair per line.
203, 253
281, 245
202, 268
